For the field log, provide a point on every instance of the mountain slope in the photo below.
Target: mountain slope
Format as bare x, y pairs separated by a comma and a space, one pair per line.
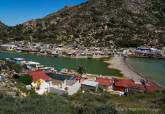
101, 23
3, 32
2, 25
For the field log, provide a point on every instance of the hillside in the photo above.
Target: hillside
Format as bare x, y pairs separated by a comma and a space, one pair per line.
2, 25
121, 23
3, 32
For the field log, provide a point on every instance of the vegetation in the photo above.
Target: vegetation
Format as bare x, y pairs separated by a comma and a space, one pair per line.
16, 67
84, 103
25, 79
81, 70
111, 23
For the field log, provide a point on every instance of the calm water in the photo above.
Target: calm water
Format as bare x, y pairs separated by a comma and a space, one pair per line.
92, 66
153, 69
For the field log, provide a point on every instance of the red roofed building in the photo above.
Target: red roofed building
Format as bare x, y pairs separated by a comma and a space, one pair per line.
104, 82
123, 84
39, 74
148, 87
152, 87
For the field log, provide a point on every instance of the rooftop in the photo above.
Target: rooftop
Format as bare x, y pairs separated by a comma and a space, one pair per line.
104, 81
90, 83
37, 75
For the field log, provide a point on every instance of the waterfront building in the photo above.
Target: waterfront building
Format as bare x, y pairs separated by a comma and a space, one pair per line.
123, 84
8, 47
64, 84
145, 52
104, 83
39, 74
40, 81
19, 60
33, 65
89, 85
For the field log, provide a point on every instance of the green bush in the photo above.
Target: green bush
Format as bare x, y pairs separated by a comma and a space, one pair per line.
16, 67
25, 79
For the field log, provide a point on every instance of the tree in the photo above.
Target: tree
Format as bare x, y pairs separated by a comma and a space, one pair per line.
25, 79
81, 70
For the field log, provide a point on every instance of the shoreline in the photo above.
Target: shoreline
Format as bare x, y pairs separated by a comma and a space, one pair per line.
74, 57
118, 62
102, 59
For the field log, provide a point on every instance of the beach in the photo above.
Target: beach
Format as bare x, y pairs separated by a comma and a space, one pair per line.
117, 62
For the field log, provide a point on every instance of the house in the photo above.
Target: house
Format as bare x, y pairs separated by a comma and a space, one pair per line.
39, 74
129, 86
19, 60
33, 65
147, 52
148, 87
8, 47
123, 84
89, 85
64, 84
104, 83
40, 81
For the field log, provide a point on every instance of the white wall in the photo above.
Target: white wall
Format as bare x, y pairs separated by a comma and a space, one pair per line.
74, 88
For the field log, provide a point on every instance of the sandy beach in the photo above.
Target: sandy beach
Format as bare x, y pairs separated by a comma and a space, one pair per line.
117, 62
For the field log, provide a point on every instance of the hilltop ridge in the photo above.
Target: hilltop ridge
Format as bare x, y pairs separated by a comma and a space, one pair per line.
121, 23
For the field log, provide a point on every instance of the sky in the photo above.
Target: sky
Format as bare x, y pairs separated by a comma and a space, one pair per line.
13, 12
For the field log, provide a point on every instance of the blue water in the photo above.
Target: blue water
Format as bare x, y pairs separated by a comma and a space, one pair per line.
153, 69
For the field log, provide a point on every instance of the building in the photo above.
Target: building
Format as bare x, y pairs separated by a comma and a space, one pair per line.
104, 83
64, 84
19, 60
148, 87
39, 74
88, 85
40, 81
8, 47
130, 86
147, 52
33, 65
123, 84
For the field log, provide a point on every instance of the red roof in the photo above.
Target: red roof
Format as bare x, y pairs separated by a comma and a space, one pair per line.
104, 81
124, 83
148, 87
152, 87
37, 75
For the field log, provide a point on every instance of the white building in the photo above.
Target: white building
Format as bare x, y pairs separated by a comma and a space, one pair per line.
89, 85
8, 47
69, 87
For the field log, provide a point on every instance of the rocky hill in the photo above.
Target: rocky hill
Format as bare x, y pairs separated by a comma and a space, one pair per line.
121, 23
2, 25
3, 32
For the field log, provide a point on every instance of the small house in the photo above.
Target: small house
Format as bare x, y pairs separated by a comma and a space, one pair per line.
33, 65
41, 81
104, 83
39, 74
123, 84
89, 85
8, 47
64, 84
